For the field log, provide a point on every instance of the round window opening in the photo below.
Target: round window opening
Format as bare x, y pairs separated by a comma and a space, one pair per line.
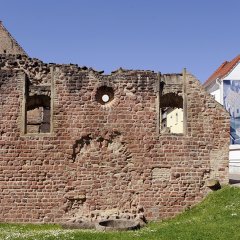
105, 98
104, 95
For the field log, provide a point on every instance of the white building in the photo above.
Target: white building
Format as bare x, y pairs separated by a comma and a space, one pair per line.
224, 85
175, 120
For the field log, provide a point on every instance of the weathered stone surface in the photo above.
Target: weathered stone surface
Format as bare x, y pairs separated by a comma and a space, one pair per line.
78, 225
212, 183
104, 160
117, 225
161, 174
8, 44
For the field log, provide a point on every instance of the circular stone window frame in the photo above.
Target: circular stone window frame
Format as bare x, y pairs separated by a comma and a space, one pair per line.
106, 89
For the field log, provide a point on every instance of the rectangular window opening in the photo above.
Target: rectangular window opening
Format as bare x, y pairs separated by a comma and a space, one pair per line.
172, 120
38, 118
171, 104
37, 108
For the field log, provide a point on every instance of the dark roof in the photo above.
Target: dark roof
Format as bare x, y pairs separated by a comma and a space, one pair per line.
222, 71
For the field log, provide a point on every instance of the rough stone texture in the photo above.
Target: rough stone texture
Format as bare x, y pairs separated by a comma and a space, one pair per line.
104, 160
117, 225
162, 174
8, 45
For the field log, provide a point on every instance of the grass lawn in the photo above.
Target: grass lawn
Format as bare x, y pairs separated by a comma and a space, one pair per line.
217, 217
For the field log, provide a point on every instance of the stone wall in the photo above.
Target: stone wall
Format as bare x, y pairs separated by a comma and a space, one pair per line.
100, 159
8, 44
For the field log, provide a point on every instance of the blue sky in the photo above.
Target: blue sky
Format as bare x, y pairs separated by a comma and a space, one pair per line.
160, 35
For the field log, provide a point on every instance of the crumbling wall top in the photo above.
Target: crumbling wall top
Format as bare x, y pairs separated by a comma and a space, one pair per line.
8, 44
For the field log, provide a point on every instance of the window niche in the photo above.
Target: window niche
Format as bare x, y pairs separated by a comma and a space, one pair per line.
172, 103
171, 107
104, 95
37, 109
38, 116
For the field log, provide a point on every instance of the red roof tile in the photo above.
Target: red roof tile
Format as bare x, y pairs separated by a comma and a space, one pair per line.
222, 71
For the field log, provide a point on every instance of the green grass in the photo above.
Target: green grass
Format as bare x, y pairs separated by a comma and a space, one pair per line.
217, 217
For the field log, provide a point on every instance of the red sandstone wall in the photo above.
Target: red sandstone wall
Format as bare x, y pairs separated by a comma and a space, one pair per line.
8, 43
104, 158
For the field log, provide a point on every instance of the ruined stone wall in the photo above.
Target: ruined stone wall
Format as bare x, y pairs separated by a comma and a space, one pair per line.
8, 44
99, 158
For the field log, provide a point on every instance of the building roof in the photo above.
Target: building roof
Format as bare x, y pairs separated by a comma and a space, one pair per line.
8, 45
222, 71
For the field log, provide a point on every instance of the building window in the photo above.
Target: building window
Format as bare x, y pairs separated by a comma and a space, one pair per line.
104, 95
36, 108
38, 115
231, 102
171, 107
